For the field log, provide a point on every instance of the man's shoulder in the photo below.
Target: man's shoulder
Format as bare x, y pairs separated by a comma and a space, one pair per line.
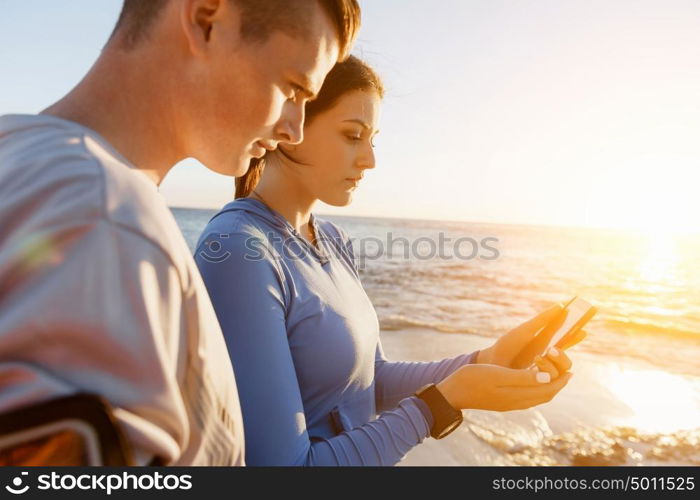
44, 167
55, 174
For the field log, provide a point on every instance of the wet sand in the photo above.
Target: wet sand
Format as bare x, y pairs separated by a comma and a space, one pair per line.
612, 412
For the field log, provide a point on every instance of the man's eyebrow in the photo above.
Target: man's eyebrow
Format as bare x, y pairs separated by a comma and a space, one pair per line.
305, 84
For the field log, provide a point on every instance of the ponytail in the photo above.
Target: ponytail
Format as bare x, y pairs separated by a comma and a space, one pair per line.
247, 182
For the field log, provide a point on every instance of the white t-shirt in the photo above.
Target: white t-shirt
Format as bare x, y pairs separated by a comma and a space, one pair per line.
99, 294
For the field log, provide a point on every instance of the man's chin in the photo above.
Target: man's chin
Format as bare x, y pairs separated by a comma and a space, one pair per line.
242, 166
236, 168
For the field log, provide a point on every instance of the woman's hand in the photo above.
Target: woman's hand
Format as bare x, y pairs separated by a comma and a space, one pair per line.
555, 362
505, 350
491, 387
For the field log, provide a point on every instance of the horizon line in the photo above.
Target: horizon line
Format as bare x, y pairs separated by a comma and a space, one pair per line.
470, 221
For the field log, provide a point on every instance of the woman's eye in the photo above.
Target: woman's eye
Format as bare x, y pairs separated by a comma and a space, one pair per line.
354, 137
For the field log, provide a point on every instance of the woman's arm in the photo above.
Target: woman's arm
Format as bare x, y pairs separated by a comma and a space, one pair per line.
395, 380
249, 298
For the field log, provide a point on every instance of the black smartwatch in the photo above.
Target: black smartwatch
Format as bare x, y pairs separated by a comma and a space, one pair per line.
446, 418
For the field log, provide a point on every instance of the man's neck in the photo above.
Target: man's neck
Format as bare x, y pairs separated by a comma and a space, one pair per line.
117, 100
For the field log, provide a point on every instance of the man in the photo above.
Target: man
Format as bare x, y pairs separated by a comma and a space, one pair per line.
98, 291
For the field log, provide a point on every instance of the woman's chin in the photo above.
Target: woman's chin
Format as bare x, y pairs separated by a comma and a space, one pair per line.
339, 200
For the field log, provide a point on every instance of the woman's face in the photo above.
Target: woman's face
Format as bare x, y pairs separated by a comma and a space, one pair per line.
337, 148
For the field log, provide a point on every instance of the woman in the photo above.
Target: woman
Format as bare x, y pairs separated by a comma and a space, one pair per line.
301, 332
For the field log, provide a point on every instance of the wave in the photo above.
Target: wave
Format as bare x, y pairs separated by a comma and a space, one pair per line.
612, 446
621, 325
609, 328
399, 322
529, 441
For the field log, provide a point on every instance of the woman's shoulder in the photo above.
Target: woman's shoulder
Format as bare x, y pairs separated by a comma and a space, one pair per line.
234, 224
338, 237
335, 234
332, 229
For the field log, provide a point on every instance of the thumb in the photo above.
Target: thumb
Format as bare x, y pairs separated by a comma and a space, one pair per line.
528, 329
545, 317
572, 340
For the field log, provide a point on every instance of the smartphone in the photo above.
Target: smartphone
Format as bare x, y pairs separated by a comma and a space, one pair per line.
576, 313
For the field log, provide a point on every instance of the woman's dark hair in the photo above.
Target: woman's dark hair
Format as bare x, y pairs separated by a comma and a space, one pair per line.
346, 76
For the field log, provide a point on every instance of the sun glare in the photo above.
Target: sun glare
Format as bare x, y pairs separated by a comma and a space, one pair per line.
661, 257
660, 402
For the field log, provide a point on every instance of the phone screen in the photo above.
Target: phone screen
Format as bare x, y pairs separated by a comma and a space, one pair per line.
574, 315
578, 313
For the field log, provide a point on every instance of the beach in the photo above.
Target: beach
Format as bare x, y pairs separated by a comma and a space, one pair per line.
635, 394
587, 423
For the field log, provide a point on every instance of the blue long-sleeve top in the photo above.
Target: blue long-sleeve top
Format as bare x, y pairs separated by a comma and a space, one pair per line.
303, 338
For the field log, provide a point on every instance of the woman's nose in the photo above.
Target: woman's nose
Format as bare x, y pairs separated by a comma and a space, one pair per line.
367, 159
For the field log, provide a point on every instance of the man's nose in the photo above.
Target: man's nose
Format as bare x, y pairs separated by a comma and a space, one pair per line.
290, 127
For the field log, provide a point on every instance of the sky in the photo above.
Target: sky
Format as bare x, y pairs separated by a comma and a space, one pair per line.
576, 112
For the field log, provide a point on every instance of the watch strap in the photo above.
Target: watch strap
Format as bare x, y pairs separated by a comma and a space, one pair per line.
445, 417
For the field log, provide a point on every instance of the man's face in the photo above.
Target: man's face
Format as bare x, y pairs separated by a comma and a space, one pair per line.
250, 95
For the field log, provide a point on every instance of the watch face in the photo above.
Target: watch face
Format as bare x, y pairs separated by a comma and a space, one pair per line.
449, 428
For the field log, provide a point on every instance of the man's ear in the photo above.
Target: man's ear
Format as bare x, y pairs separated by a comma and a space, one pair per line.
198, 18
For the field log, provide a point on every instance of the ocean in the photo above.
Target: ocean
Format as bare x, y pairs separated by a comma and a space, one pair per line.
447, 281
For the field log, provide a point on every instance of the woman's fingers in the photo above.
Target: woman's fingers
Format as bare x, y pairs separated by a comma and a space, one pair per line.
534, 336
510, 377
519, 398
545, 365
533, 325
572, 340
561, 361
525, 332
496, 388
543, 392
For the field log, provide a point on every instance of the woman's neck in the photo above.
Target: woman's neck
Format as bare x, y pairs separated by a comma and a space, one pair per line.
281, 193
